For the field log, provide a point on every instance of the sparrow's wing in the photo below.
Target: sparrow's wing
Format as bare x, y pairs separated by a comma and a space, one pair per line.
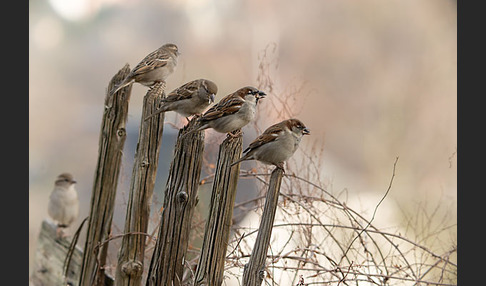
228, 105
154, 60
183, 92
270, 135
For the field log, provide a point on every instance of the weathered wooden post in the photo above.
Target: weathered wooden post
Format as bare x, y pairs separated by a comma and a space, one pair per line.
112, 140
254, 271
167, 264
131, 254
50, 256
210, 268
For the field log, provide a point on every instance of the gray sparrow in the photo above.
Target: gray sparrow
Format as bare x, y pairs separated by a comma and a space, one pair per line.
63, 206
189, 99
155, 67
276, 144
232, 112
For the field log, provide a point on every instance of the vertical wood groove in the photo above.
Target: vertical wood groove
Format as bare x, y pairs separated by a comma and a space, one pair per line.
166, 266
254, 271
210, 268
111, 142
131, 254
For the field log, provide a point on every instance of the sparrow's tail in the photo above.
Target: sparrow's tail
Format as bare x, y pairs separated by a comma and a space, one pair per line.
195, 129
158, 111
238, 161
124, 83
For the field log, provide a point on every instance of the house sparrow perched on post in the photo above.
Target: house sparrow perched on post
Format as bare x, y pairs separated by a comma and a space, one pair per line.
155, 67
189, 99
232, 112
276, 144
63, 206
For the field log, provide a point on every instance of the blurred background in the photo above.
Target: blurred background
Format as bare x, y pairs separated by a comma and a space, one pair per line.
377, 80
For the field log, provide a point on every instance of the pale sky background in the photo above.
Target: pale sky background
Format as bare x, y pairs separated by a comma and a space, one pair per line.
379, 81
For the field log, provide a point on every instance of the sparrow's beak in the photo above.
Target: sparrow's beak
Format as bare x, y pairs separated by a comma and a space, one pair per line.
306, 131
260, 94
73, 181
211, 98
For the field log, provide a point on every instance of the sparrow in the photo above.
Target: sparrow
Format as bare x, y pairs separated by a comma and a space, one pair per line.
276, 144
189, 99
155, 67
63, 206
232, 112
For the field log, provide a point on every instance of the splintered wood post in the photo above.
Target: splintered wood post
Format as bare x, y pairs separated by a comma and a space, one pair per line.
49, 258
167, 263
112, 140
210, 268
254, 271
131, 254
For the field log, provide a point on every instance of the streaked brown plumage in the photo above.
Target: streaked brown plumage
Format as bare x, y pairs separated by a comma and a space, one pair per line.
232, 112
155, 67
276, 144
189, 99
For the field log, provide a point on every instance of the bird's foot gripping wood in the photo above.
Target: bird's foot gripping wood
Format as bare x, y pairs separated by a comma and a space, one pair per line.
235, 133
280, 165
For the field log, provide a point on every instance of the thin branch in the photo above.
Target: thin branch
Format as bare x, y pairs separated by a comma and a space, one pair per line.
374, 212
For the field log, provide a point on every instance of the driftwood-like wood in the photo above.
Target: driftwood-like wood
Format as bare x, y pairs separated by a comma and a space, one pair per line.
254, 271
50, 257
167, 263
210, 268
131, 254
112, 140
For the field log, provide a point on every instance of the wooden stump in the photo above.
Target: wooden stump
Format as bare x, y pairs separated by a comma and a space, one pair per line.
254, 271
167, 264
210, 268
112, 140
49, 260
131, 255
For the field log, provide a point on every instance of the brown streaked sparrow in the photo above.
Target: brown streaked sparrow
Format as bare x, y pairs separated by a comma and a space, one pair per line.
276, 144
232, 112
63, 206
155, 67
189, 99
